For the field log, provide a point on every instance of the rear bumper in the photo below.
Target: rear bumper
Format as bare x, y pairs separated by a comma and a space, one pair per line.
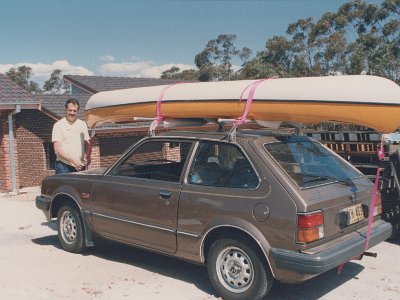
334, 256
43, 204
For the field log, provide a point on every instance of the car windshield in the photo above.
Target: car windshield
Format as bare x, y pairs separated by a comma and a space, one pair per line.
309, 163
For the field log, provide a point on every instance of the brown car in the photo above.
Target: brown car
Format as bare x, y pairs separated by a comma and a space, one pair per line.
264, 206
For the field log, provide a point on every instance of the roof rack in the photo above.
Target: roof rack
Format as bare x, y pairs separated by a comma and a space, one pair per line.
151, 127
170, 122
233, 131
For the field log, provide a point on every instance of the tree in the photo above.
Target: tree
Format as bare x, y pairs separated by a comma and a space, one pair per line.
256, 69
358, 38
215, 62
276, 57
175, 73
21, 76
55, 84
375, 47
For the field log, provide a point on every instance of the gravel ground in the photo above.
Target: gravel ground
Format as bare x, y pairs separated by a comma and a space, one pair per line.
33, 266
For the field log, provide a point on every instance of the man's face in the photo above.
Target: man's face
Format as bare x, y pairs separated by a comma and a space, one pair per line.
72, 110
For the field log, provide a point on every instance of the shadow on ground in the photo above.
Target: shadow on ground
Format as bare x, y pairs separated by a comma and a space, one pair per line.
316, 287
197, 275
395, 240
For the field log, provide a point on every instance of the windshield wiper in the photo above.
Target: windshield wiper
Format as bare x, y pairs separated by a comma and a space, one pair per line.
324, 177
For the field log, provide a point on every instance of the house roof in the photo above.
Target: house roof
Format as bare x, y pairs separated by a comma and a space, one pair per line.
95, 84
54, 105
11, 94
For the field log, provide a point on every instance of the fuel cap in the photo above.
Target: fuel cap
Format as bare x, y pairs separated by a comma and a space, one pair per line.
260, 212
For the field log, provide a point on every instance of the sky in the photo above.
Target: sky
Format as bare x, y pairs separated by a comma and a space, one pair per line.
137, 38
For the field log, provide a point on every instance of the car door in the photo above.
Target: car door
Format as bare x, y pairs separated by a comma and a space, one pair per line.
137, 200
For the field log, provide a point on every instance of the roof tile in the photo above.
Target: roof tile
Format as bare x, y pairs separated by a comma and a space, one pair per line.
12, 93
55, 104
96, 84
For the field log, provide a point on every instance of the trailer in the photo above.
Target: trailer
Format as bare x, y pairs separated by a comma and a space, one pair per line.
360, 148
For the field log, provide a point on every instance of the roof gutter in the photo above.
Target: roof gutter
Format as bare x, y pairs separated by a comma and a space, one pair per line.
11, 106
12, 148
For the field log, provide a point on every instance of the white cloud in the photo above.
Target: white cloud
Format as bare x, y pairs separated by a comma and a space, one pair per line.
141, 69
107, 58
41, 72
135, 68
5, 68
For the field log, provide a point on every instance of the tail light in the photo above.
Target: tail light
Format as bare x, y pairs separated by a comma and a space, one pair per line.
310, 226
378, 204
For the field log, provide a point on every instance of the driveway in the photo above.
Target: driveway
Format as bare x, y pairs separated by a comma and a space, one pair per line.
33, 266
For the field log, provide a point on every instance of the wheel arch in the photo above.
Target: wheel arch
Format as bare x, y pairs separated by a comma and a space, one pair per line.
63, 198
249, 233
59, 200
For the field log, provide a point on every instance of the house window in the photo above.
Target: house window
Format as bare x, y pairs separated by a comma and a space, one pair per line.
50, 155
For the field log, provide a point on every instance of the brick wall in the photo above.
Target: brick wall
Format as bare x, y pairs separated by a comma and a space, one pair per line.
111, 144
95, 153
108, 145
33, 129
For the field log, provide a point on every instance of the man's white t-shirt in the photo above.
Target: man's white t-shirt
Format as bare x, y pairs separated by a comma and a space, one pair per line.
72, 137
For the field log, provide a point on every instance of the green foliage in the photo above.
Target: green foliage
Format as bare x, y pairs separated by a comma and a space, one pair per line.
215, 62
55, 84
359, 38
175, 73
21, 76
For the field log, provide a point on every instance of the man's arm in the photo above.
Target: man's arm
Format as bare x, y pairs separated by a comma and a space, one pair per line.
60, 153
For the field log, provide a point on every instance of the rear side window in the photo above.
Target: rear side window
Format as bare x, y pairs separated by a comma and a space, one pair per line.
310, 164
222, 165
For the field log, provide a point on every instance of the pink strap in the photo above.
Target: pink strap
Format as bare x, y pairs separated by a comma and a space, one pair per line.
381, 155
89, 153
243, 119
159, 118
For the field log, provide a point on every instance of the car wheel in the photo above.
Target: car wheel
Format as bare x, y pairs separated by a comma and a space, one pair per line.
70, 229
236, 270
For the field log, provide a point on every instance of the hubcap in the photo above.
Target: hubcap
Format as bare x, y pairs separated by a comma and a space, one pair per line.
234, 269
68, 227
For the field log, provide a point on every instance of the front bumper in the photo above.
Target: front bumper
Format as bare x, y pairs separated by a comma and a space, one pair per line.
43, 204
334, 256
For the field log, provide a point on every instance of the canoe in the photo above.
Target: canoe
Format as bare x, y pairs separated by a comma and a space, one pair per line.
364, 100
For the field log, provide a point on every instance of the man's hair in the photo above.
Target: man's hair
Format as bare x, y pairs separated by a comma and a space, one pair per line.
73, 101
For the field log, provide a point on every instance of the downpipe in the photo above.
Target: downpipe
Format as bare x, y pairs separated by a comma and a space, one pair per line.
12, 148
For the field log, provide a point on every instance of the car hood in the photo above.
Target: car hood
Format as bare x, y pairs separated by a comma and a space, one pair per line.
98, 171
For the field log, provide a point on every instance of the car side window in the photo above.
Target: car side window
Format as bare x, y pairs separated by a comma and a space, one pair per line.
222, 165
157, 160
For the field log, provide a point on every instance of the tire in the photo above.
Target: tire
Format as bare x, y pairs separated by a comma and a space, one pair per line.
70, 229
236, 270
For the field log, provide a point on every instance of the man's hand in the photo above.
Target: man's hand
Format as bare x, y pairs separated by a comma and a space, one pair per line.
77, 165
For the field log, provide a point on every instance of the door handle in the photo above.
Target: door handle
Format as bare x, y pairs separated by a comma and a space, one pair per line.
165, 194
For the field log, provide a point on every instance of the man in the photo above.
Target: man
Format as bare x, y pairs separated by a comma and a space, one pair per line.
69, 137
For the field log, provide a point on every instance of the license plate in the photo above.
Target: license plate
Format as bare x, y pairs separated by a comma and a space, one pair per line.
353, 214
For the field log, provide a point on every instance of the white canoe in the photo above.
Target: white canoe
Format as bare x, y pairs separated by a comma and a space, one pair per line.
364, 100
